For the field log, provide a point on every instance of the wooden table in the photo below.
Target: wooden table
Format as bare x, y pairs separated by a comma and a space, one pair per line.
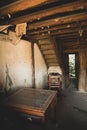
34, 102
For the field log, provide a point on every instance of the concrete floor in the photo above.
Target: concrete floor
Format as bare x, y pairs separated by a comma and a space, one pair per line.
71, 114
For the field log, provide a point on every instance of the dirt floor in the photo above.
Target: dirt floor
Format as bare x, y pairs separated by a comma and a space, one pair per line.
71, 114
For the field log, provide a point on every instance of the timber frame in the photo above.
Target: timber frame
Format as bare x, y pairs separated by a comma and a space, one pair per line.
58, 27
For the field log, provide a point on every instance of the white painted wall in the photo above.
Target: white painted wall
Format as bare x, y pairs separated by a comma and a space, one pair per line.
15, 63
40, 69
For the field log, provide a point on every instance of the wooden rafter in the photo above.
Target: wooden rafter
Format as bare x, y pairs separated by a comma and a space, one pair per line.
59, 27
19, 5
79, 5
59, 20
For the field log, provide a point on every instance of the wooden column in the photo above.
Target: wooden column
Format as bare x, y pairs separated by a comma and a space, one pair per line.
33, 65
83, 71
66, 69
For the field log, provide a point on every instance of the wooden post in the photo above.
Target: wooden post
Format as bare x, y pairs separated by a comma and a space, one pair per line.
33, 65
83, 70
66, 69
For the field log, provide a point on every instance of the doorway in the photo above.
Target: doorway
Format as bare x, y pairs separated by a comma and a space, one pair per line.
73, 66
72, 72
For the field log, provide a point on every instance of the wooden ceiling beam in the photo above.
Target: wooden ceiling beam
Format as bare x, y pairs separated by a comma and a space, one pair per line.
71, 44
72, 36
69, 35
75, 48
59, 20
19, 5
59, 31
79, 5
62, 36
59, 27
42, 30
56, 29
70, 40
71, 50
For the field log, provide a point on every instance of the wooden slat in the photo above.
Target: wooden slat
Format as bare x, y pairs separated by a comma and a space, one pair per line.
51, 52
48, 59
53, 64
52, 61
47, 47
44, 42
39, 37
48, 56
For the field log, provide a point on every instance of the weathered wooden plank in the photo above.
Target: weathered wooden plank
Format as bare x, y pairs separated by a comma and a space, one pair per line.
65, 44
74, 47
69, 38
53, 64
79, 5
82, 25
51, 52
54, 28
61, 31
71, 51
48, 59
44, 42
19, 5
48, 56
39, 37
59, 20
69, 35
52, 60
47, 47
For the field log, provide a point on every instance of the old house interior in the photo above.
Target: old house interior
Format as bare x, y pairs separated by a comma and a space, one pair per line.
37, 39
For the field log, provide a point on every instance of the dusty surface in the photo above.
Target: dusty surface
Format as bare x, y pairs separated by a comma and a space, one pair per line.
71, 114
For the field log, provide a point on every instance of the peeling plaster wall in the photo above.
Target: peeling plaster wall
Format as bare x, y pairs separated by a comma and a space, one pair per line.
40, 69
15, 64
